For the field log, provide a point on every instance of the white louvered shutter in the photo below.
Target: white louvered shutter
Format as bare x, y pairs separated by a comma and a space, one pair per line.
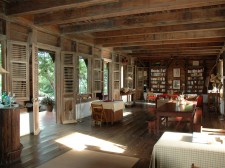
68, 90
97, 75
35, 89
19, 69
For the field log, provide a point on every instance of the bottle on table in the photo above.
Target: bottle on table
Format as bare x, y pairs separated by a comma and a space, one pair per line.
4, 95
13, 98
8, 98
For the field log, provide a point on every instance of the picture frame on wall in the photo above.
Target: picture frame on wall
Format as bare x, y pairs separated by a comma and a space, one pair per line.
176, 84
176, 72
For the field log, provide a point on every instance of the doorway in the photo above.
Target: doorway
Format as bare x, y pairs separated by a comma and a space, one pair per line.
46, 89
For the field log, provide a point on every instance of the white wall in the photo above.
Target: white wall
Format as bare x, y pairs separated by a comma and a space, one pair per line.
83, 109
26, 123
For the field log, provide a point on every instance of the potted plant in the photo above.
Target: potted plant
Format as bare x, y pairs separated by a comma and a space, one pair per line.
48, 102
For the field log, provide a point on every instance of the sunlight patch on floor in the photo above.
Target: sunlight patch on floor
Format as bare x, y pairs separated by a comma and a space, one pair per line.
126, 113
79, 141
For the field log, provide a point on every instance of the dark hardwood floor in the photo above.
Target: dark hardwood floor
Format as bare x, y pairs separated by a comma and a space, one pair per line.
131, 134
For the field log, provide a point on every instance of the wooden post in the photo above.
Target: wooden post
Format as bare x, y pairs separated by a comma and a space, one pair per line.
223, 57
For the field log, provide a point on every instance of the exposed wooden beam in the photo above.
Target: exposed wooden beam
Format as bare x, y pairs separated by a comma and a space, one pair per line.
161, 29
190, 50
162, 37
151, 20
181, 41
40, 6
184, 52
165, 46
122, 8
168, 57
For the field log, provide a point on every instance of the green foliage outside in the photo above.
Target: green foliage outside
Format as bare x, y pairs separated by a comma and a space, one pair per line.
0, 65
46, 74
106, 74
83, 76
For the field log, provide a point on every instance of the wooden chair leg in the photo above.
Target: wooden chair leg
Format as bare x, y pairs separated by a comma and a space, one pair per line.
152, 127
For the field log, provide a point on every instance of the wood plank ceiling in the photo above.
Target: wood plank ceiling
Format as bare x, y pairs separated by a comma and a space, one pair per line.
145, 29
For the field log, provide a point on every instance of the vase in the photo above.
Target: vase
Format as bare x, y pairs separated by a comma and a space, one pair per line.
49, 108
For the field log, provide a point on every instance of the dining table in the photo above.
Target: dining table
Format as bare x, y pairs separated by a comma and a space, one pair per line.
113, 110
182, 150
173, 109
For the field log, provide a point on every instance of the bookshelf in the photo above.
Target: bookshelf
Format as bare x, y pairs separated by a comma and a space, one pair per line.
195, 80
158, 80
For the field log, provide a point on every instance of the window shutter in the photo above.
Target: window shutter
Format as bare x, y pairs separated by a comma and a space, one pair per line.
68, 90
19, 66
97, 75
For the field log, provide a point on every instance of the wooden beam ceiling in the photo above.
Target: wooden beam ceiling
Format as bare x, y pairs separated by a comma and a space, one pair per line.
182, 41
144, 29
122, 8
178, 17
162, 36
19, 8
170, 46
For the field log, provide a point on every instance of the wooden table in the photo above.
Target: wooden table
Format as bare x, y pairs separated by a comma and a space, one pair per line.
171, 109
113, 110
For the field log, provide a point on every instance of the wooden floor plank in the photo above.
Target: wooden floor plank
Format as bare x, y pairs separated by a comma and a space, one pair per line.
131, 132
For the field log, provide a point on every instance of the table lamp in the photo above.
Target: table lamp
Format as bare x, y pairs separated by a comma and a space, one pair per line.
3, 71
129, 79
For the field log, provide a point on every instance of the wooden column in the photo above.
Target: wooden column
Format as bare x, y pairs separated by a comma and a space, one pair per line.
223, 57
10, 147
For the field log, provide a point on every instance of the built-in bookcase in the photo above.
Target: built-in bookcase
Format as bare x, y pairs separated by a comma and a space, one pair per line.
158, 80
195, 80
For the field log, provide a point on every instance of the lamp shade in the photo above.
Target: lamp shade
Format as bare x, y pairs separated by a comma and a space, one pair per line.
3, 71
129, 78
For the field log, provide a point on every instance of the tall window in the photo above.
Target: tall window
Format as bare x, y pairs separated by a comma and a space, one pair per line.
121, 77
1, 66
83, 75
106, 78
46, 76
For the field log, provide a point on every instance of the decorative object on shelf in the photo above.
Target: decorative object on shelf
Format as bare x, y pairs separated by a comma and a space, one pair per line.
176, 84
48, 102
176, 72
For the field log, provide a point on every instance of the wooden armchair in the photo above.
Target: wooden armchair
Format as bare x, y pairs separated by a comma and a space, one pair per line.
151, 97
98, 114
159, 103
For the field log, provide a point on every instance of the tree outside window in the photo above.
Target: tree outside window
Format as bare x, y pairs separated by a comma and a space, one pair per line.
83, 76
